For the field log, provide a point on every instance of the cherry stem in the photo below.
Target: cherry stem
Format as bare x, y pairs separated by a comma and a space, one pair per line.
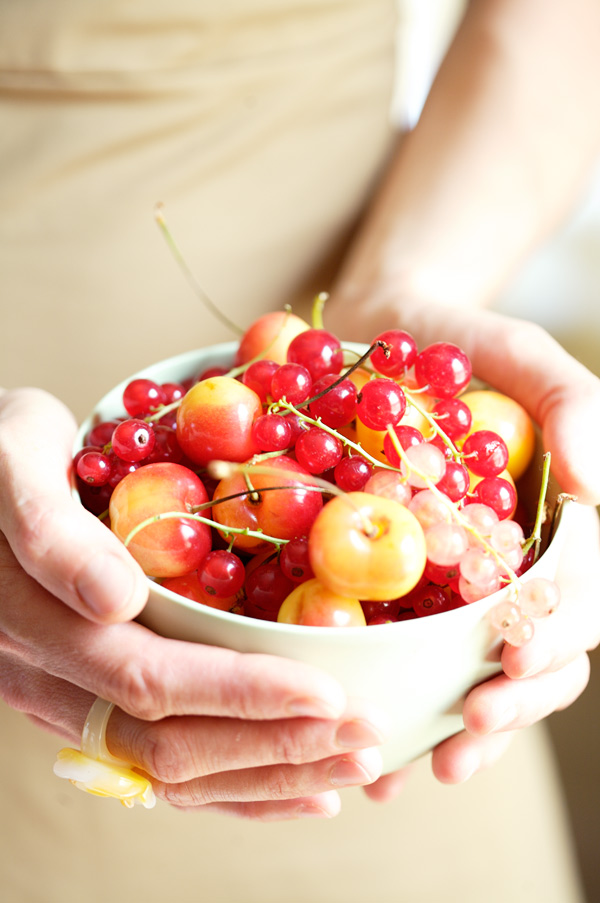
317, 310
238, 495
190, 278
220, 469
225, 531
540, 517
452, 508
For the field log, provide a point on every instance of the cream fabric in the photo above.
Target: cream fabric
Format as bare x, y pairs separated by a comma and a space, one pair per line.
262, 125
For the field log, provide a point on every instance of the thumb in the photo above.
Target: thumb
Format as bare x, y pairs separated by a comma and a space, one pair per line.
56, 541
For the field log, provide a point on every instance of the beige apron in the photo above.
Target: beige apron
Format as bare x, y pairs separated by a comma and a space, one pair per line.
261, 124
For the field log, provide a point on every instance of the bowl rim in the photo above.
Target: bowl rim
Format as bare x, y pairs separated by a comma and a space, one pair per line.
189, 360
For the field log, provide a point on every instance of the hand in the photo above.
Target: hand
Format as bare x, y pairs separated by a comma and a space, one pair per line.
551, 671
251, 735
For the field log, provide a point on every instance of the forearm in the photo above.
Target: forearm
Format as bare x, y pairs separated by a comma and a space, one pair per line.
505, 142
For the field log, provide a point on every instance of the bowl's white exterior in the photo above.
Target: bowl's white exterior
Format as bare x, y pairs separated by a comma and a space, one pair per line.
417, 671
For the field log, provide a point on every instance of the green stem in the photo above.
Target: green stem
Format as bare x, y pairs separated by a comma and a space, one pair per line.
317, 310
536, 535
189, 276
226, 531
454, 511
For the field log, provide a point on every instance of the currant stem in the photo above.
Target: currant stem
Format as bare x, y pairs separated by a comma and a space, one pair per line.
434, 425
191, 279
452, 508
328, 429
536, 535
316, 484
226, 531
346, 373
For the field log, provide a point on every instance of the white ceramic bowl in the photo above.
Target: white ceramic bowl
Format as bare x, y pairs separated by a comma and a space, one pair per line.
418, 671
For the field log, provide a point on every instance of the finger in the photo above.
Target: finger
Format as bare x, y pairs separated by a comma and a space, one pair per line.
275, 782
388, 786
520, 359
460, 757
151, 677
502, 704
323, 805
59, 543
179, 749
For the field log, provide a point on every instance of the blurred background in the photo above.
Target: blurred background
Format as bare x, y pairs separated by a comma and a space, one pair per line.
559, 288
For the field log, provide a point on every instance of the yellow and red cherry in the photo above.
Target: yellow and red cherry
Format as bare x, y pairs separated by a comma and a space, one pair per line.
285, 513
169, 547
271, 334
214, 421
367, 547
315, 605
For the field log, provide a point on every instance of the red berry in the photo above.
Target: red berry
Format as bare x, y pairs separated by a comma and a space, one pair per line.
444, 368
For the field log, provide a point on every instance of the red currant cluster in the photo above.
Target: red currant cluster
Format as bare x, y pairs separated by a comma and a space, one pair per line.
346, 493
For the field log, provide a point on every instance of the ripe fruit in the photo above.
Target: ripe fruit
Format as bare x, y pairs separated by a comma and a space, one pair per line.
383, 564
272, 334
170, 547
314, 605
506, 417
214, 421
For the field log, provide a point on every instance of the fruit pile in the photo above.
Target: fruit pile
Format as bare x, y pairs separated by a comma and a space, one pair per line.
313, 485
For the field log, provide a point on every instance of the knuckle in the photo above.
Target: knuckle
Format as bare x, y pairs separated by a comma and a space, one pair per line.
137, 688
166, 753
185, 794
290, 748
282, 784
35, 530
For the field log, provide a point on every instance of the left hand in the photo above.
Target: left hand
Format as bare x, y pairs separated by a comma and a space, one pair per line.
552, 670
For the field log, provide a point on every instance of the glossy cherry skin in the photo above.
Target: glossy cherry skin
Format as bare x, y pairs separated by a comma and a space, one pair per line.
284, 513
170, 547
272, 334
314, 605
384, 565
214, 421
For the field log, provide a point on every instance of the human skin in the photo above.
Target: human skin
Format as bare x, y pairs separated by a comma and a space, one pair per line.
484, 176
441, 237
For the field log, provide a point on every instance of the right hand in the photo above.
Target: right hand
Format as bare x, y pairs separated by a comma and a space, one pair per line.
249, 735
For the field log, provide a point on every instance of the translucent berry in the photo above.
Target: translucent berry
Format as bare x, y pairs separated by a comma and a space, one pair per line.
446, 544
258, 377
425, 462
221, 574
453, 416
294, 561
455, 482
142, 396
337, 407
133, 440
352, 473
292, 382
271, 432
539, 597
485, 453
389, 485
444, 368
407, 436
400, 356
382, 403
318, 350
318, 451
93, 467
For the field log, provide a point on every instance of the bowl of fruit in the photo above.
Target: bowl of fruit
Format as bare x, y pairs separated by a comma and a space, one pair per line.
368, 510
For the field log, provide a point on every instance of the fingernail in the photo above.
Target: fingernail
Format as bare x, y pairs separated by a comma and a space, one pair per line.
358, 734
106, 584
311, 811
312, 708
505, 719
347, 772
